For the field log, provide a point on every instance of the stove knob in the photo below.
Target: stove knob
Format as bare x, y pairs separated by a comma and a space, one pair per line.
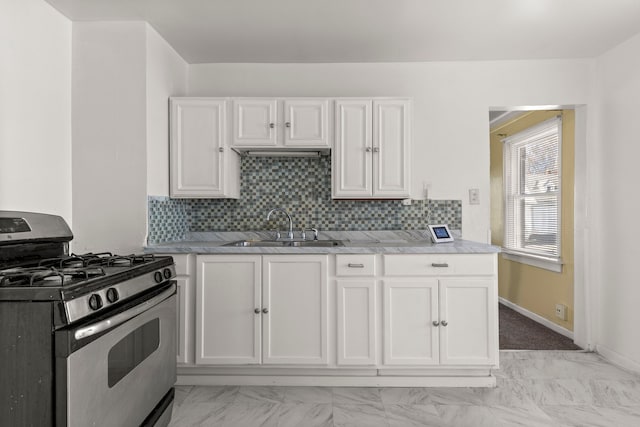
167, 273
157, 276
112, 295
95, 302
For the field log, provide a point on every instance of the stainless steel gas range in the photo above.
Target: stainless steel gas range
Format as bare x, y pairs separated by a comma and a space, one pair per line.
85, 340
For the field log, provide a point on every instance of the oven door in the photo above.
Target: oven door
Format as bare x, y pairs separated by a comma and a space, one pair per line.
120, 368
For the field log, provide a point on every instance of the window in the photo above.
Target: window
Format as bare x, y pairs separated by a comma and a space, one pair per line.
532, 182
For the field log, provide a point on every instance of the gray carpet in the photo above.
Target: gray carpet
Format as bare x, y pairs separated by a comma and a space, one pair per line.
518, 332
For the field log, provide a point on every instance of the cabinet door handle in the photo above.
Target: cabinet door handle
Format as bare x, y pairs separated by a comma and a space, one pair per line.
265, 311
436, 323
376, 149
444, 323
350, 265
368, 149
256, 311
272, 125
221, 149
439, 264
288, 124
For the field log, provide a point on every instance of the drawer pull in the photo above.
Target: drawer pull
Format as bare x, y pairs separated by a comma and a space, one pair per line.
439, 264
351, 265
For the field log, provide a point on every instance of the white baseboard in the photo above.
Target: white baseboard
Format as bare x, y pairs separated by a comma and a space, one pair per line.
345, 381
537, 318
618, 359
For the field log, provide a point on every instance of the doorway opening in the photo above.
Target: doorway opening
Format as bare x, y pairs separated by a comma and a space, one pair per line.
537, 297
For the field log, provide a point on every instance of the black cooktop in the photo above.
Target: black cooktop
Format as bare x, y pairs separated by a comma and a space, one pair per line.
66, 277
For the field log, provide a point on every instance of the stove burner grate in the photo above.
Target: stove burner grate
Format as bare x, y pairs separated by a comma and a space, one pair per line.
46, 276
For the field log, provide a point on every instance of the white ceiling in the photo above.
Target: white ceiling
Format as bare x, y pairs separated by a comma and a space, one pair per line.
374, 30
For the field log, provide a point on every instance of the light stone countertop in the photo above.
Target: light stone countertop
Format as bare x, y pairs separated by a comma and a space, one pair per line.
355, 242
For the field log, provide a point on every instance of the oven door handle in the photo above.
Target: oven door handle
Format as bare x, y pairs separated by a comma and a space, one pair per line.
123, 317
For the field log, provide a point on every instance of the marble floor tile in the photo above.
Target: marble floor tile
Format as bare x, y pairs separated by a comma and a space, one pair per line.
529, 415
359, 415
454, 396
508, 393
199, 414
357, 396
576, 416
466, 415
622, 417
566, 391
260, 395
616, 393
205, 394
250, 415
181, 394
534, 388
307, 394
405, 395
305, 414
403, 415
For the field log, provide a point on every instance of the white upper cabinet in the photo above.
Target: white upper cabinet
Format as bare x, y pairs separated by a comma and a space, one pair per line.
371, 156
280, 123
391, 148
254, 123
305, 123
352, 150
202, 165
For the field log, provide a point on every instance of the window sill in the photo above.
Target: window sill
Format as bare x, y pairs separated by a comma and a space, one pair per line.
551, 264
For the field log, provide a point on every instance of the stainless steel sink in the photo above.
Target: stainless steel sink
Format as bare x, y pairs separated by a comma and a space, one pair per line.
286, 243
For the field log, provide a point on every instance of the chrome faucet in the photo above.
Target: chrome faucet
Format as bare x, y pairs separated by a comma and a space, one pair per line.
290, 232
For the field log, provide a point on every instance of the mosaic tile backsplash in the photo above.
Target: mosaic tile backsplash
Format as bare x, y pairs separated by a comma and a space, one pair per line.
302, 186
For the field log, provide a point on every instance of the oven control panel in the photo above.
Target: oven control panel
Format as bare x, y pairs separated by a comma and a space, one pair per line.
102, 299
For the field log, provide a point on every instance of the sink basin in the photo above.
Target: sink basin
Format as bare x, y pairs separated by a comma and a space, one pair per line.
286, 243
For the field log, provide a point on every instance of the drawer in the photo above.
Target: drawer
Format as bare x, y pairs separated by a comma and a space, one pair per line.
355, 265
439, 265
183, 262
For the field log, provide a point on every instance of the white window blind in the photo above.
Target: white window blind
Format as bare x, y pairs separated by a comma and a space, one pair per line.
532, 182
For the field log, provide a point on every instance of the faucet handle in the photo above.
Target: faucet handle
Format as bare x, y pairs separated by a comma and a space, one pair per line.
277, 233
304, 233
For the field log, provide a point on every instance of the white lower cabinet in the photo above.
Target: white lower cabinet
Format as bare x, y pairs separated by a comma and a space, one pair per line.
356, 319
469, 308
440, 309
254, 309
227, 298
410, 307
388, 320
445, 322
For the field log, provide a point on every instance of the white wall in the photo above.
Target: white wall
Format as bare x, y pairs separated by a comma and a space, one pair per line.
166, 76
451, 102
615, 234
35, 108
109, 136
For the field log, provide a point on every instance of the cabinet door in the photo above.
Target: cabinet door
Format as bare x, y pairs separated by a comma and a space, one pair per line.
198, 135
295, 297
184, 320
356, 312
410, 308
353, 149
305, 122
469, 308
391, 135
228, 294
255, 123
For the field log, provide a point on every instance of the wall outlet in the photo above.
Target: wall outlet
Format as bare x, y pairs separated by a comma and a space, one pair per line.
474, 196
406, 202
561, 311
